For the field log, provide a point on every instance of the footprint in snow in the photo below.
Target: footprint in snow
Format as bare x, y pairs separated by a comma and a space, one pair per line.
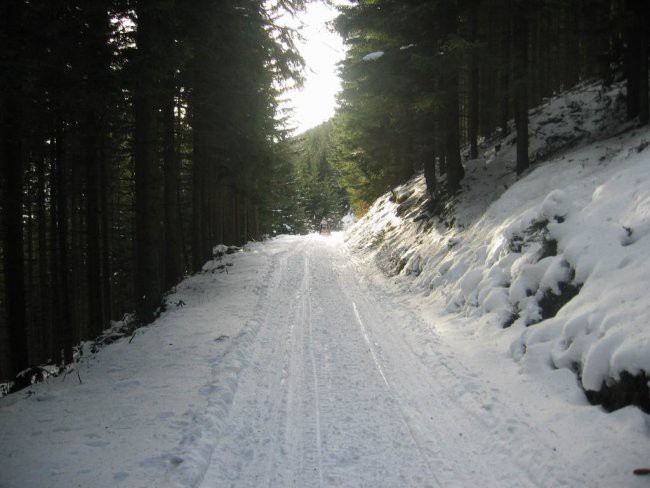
207, 390
96, 444
121, 476
126, 384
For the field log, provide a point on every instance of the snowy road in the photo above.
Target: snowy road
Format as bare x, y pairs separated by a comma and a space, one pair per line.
315, 406
302, 367
336, 384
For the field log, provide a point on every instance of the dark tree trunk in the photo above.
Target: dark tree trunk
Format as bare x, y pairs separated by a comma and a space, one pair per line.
147, 238
521, 82
632, 76
106, 237
43, 277
205, 115
63, 332
429, 157
504, 69
200, 171
450, 113
473, 115
256, 221
93, 235
185, 262
76, 210
430, 174
632, 55
172, 251
455, 170
643, 38
11, 185
96, 91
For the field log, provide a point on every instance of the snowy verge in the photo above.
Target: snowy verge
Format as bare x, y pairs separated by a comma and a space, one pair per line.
562, 257
146, 410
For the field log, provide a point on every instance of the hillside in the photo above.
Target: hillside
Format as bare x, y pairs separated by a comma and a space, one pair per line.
552, 267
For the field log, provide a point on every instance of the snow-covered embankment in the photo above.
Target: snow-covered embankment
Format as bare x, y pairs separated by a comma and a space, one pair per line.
561, 258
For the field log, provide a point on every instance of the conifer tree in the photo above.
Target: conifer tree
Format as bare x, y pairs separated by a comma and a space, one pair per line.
11, 184
101, 101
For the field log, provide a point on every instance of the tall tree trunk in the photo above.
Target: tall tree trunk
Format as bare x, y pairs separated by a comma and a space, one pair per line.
107, 294
11, 184
244, 211
521, 82
30, 298
77, 246
450, 121
504, 69
486, 71
147, 238
473, 115
631, 55
96, 91
93, 235
172, 251
200, 170
43, 277
204, 115
63, 333
642, 16
430, 173
256, 221
455, 170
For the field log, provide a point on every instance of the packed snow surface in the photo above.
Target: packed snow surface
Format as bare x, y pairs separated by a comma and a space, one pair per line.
302, 366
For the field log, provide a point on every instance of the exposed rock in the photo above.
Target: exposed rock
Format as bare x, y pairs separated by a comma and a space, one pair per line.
628, 390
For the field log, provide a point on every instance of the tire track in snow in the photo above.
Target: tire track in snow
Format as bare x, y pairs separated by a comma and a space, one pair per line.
272, 437
370, 348
365, 440
307, 407
504, 436
188, 466
285, 388
306, 284
394, 394
293, 441
272, 354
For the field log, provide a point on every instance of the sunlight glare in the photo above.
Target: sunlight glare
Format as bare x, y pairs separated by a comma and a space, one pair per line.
322, 49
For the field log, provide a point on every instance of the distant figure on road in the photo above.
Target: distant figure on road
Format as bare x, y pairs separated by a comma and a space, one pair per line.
324, 227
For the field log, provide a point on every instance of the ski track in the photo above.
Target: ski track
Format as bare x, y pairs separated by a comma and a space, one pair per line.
333, 382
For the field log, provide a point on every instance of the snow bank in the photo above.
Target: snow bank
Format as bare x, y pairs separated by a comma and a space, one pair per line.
147, 410
562, 257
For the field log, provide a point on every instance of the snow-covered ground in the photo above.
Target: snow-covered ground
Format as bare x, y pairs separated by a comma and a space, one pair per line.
299, 363
304, 367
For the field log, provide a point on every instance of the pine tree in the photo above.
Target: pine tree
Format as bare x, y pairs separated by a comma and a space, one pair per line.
148, 291
11, 185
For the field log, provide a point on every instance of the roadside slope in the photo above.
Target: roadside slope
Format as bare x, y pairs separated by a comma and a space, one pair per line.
561, 257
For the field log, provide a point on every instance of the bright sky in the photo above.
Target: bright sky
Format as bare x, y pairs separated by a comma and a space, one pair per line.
322, 49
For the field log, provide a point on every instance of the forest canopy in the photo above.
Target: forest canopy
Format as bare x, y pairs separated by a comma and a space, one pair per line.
136, 135
424, 79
